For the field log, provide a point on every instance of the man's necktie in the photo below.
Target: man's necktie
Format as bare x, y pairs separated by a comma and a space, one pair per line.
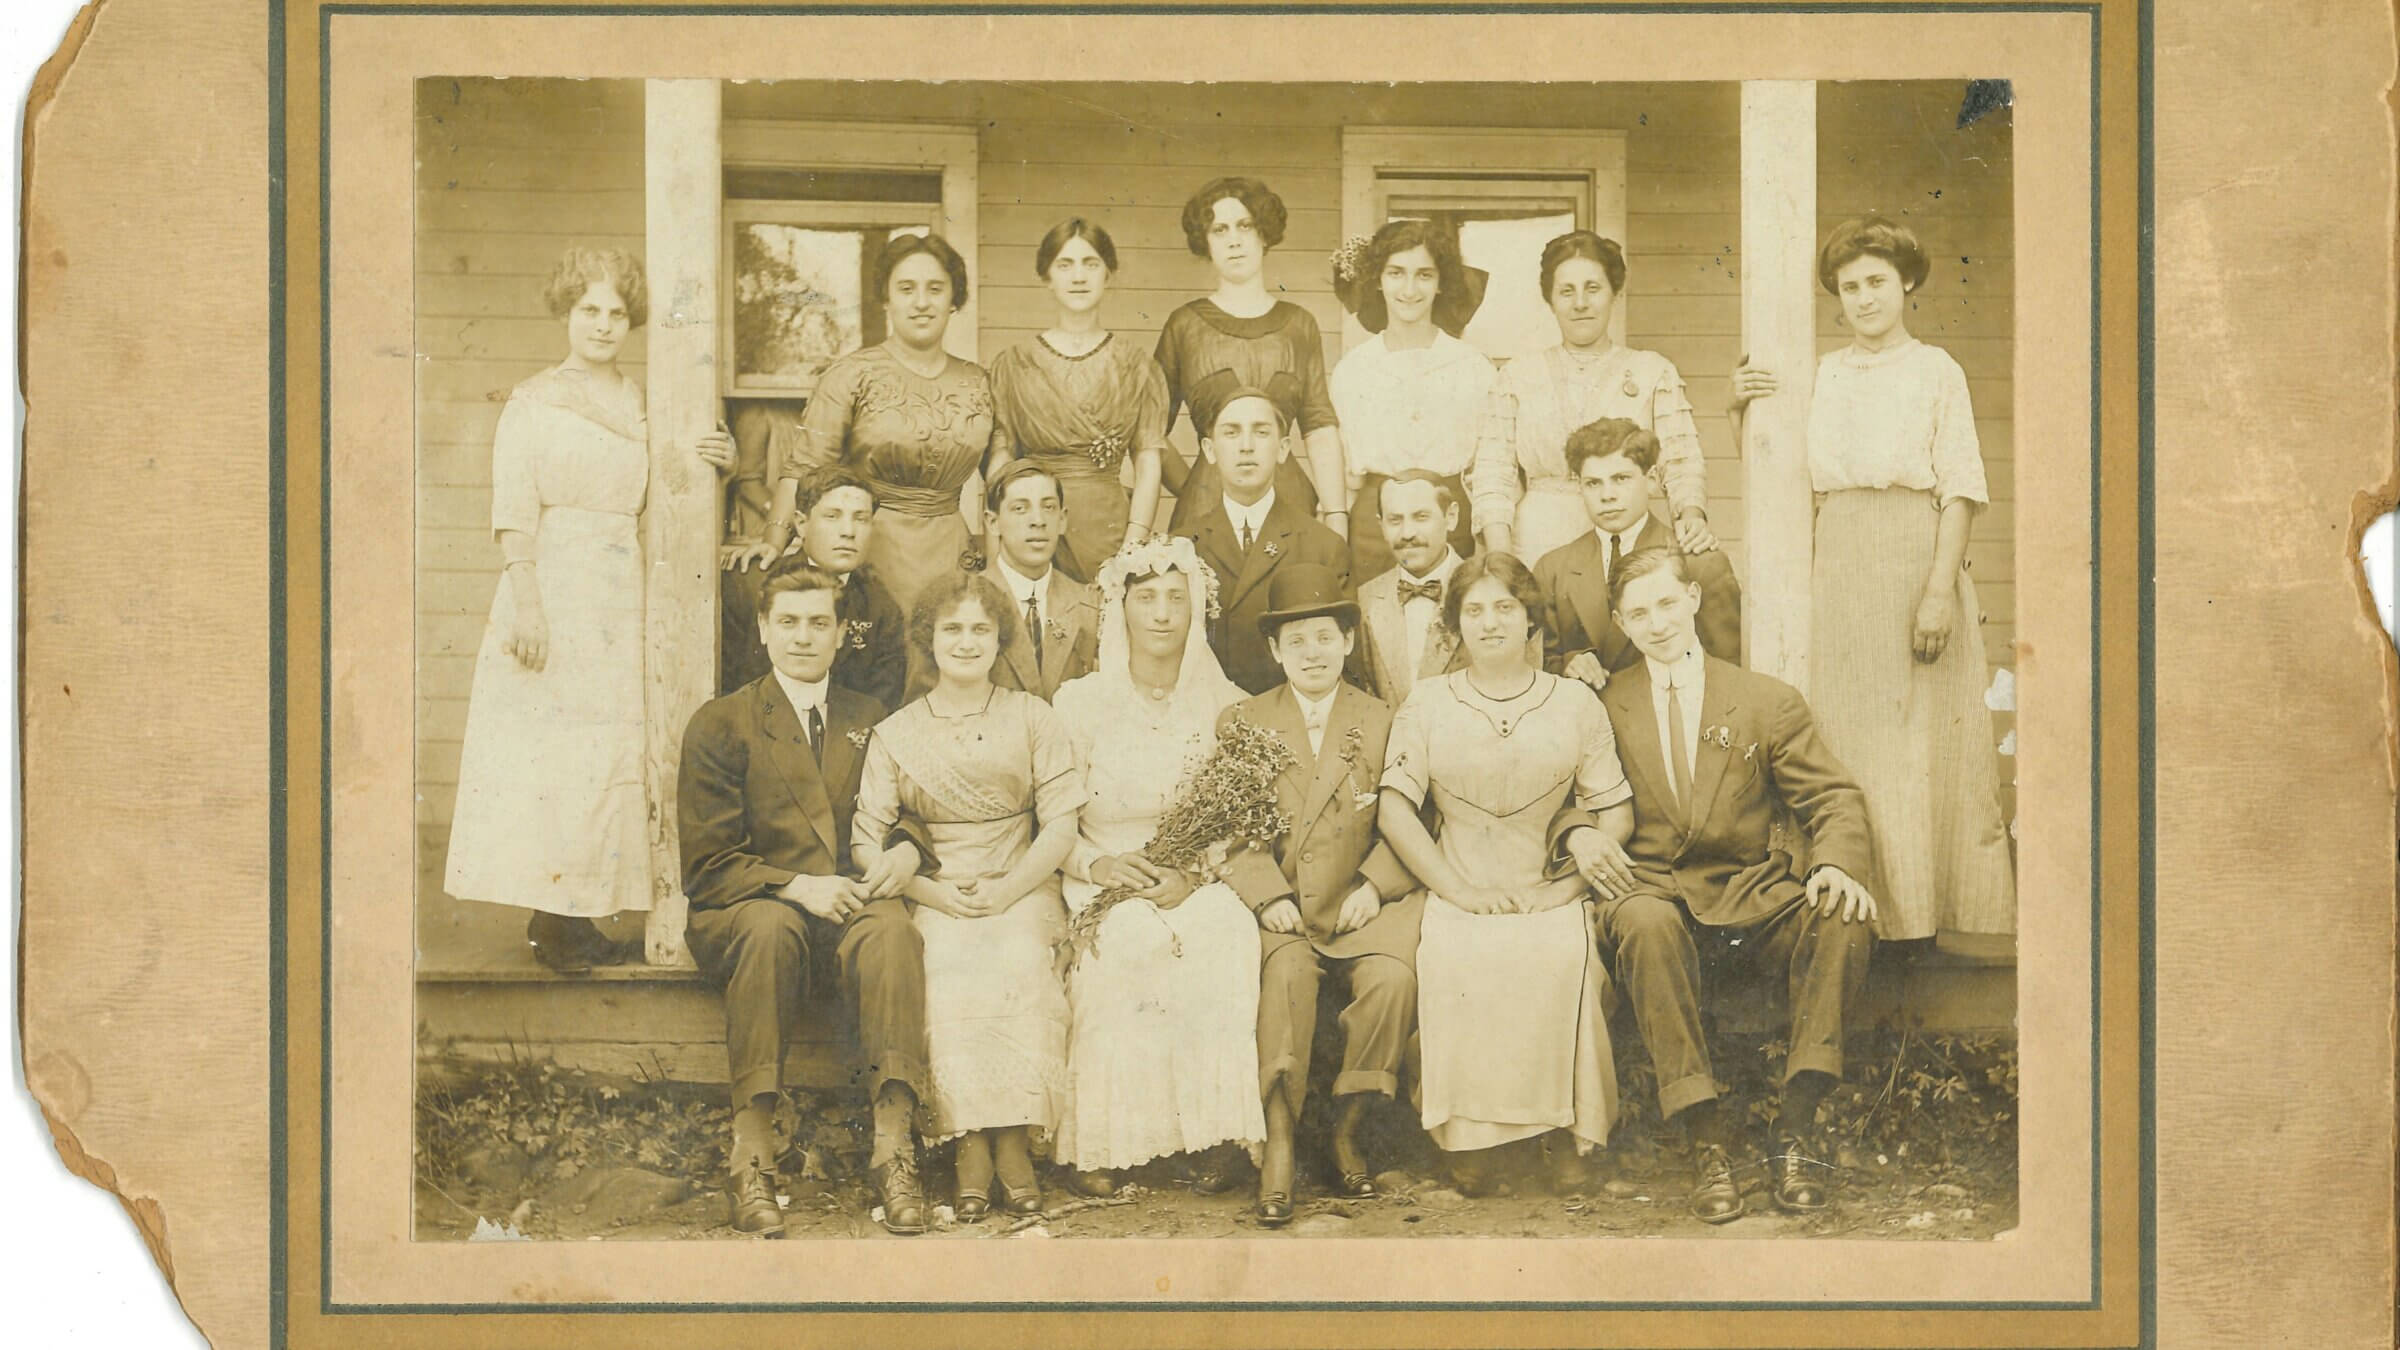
1247, 536
1616, 553
1314, 724
1033, 631
816, 733
1678, 773
1421, 590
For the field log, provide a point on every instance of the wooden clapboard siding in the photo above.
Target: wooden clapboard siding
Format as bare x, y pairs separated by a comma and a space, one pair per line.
509, 173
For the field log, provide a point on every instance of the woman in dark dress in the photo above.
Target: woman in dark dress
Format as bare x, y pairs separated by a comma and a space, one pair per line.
1082, 405
1242, 336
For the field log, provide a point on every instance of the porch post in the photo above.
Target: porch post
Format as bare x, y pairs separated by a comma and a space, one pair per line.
682, 519
1779, 316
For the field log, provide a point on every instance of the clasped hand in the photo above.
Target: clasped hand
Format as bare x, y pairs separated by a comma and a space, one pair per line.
1165, 887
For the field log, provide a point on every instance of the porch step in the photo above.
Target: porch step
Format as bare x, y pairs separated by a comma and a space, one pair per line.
647, 1022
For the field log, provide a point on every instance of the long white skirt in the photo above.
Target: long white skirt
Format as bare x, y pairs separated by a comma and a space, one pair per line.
995, 1018
1163, 1052
1512, 1020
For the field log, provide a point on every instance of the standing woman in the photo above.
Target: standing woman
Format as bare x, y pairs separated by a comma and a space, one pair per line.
1080, 403
1413, 396
1526, 499
1243, 337
990, 773
1164, 1049
1896, 664
552, 815
907, 416
1509, 987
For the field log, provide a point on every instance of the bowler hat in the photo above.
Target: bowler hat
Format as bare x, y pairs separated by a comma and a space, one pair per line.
1305, 591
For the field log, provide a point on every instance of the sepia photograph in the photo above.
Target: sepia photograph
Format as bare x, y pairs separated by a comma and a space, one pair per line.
1218, 660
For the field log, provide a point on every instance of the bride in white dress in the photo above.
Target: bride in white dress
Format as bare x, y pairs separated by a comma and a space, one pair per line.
1163, 1052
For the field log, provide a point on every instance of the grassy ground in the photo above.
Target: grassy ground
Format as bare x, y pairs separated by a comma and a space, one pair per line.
1922, 1135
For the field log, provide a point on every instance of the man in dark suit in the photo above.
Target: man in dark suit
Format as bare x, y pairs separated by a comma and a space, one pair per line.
764, 796
1025, 515
1328, 891
1714, 753
1615, 464
835, 510
1250, 532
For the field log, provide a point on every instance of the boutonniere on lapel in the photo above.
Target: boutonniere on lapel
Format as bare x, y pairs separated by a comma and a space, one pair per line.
1353, 743
859, 630
1720, 737
1273, 550
858, 737
1056, 630
1750, 753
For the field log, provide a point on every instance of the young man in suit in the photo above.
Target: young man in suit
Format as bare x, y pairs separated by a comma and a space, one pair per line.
1615, 465
1714, 753
1249, 534
764, 796
835, 509
1329, 892
1025, 515
1402, 608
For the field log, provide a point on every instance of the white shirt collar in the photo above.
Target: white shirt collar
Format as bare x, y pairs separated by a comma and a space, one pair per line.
1255, 514
1322, 707
803, 696
1632, 537
1020, 585
1683, 672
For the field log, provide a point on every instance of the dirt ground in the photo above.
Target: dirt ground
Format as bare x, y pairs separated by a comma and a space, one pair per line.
1637, 1191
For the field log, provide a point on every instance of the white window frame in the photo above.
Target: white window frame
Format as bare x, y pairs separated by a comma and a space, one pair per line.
953, 151
1368, 152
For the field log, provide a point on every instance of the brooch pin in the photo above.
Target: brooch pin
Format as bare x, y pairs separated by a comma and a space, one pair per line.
1056, 630
1632, 390
1750, 753
970, 560
1272, 550
859, 628
1720, 737
858, 737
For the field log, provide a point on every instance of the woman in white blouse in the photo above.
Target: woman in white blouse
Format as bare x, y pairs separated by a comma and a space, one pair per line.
1897, 668
1526, 501
1413, 396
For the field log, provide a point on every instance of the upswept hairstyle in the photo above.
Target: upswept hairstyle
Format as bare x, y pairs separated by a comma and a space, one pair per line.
1872, 237
1611, 436
1508, 571
1641, 563
1583, 244
1074, 227
817, 482
1362, 292
905, 246
581, 268
1266, 211
946, 594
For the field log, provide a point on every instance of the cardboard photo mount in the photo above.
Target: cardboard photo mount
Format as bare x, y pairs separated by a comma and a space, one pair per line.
204, 740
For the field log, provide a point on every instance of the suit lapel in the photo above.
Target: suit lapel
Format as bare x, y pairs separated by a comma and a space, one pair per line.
1708, 772
1387, 628
779, 722
1440, 646
1058, 634
1588, 590
1329, 765
1278, 711
1214, 537
1274, 539
1637, 737
1019, 657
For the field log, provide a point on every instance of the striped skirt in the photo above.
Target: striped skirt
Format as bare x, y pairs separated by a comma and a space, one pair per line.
1916, 735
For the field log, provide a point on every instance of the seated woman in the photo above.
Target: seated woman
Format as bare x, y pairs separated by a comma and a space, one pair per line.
1514, 1036
990, 774
1163, 1054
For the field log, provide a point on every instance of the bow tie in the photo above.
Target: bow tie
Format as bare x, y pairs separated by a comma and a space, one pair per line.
1421, 590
